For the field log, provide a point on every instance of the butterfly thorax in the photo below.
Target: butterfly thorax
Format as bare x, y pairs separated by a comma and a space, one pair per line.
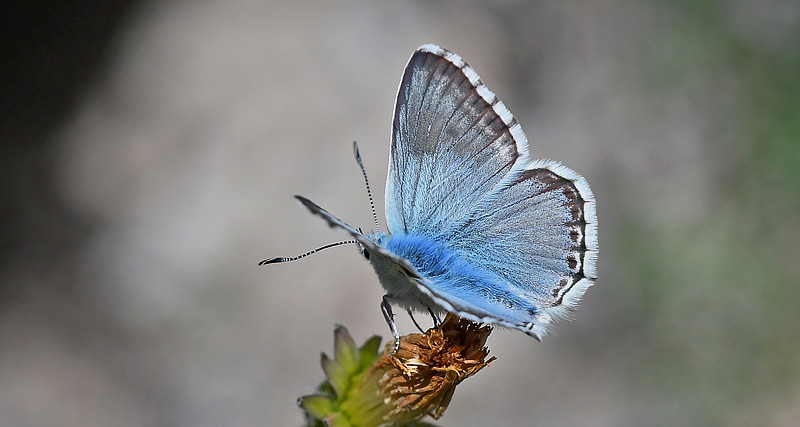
430, 258
427, 258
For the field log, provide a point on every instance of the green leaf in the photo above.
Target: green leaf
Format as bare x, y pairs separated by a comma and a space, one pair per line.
338, 420
337, 376
317, 406
369, 351
345, 351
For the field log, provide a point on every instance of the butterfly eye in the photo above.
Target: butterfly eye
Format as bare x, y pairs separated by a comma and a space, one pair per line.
365, 253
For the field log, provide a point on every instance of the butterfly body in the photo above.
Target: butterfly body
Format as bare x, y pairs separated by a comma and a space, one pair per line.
476, 228
397, 281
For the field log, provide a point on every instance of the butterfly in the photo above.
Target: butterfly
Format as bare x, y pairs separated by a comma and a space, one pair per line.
476, 228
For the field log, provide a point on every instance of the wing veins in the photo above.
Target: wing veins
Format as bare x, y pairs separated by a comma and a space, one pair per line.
425, 93
430, 125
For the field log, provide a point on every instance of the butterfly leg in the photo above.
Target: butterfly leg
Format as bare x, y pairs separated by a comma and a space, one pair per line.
386, 308
411, 315
436, 321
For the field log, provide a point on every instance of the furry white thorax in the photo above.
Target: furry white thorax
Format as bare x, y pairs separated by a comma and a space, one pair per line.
400, 288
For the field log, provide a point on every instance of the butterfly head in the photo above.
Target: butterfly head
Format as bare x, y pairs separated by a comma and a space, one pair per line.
379, 238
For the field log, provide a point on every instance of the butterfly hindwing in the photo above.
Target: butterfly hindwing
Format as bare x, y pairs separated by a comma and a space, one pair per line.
539, 234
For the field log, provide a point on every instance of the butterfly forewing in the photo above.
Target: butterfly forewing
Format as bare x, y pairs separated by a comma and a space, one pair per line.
446, 125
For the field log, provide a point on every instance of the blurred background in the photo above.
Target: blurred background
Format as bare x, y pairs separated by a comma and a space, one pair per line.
150, 151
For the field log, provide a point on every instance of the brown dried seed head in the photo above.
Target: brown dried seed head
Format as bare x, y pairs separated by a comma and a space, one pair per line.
422, 376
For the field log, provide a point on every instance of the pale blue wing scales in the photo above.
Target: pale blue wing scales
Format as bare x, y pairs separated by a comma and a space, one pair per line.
446, 124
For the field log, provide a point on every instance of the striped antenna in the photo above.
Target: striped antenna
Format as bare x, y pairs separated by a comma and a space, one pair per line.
366, 181
295, 258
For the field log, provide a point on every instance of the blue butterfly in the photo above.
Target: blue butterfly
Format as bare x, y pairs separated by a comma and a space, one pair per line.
476, 228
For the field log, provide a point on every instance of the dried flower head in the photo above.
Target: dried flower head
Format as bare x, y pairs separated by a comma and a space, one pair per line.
426, 369
366, 390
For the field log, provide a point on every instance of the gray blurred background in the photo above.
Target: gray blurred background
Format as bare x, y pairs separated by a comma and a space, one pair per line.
150, 151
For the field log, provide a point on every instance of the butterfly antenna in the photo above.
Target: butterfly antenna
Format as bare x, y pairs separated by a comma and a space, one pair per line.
366, 181
295, 258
